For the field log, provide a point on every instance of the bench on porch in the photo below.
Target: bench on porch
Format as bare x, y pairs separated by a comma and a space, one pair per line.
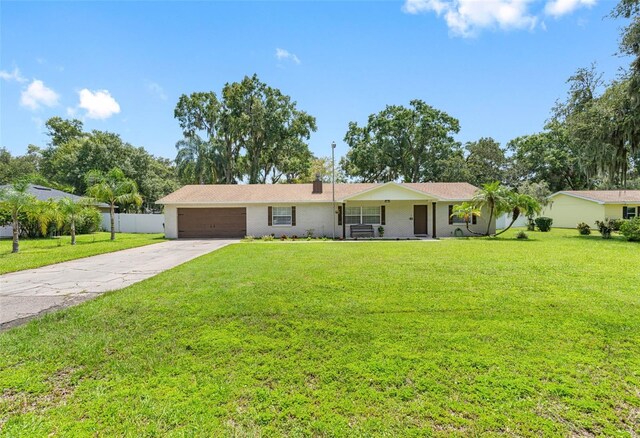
361, 231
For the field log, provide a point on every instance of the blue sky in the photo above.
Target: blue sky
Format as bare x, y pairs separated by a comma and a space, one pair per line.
496, 65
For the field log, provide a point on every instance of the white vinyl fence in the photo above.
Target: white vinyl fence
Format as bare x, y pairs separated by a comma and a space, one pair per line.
6, 231
135, 223
505, 220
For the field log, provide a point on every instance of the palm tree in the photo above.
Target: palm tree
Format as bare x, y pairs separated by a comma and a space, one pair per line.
466, 211
112, 188
71, 210
521, 203
199, 161
17, 201
492, 196
44, 213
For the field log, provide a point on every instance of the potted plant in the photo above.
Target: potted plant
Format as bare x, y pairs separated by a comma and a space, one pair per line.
381, 231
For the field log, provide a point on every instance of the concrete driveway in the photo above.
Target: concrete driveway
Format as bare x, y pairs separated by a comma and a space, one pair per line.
27, 294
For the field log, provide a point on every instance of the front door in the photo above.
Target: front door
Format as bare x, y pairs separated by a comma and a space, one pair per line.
420, 219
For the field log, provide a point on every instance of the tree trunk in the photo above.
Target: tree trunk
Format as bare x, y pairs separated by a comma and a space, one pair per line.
16, 231
514, 217
112, 215
73, 231
490, 217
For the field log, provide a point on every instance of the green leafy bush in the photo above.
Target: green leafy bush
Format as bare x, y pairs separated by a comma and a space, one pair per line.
616, 224
522, 235
584, 229
605, 227
544, 223
631, 229
88, 221
267, 238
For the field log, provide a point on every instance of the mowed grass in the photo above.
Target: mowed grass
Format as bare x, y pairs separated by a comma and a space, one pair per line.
41, 252
456, 337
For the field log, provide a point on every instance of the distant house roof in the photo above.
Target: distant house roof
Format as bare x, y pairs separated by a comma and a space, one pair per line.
604, 196
43, 193
255, 193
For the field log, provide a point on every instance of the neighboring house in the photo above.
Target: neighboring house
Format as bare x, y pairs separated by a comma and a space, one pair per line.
403, 210
568, 208
43, 194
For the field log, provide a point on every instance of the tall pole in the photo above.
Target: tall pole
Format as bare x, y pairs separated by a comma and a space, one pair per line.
333, 185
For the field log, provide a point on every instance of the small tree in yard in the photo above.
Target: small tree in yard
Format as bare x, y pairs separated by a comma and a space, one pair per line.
518, 204
72, 211
16, 201
113, 188
494, 197
466, 211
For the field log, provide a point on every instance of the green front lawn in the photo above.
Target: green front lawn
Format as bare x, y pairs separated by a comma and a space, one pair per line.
456, 337
41, 252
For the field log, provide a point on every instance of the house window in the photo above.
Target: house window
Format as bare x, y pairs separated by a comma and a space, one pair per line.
454, 219
629, 212
363, 215
282, 216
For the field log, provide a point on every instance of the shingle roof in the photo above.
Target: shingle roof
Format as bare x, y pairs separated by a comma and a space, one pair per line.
43, 193
239, 193
604, 196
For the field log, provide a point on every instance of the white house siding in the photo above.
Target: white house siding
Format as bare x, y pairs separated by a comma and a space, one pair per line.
318, 216
309, 216
315, 216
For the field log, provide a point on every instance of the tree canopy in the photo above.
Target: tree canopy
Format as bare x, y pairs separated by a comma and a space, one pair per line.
413, 144
253, 133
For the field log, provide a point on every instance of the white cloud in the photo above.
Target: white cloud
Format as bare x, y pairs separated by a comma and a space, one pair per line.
99, 104
38, 94
13, 75
558, 8
282, 54
155, 88
468, 17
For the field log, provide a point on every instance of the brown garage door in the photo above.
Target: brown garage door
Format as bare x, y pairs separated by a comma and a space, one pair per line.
212, 222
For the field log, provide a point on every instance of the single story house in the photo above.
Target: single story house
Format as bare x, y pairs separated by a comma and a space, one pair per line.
403, 210
570, 207
44, 194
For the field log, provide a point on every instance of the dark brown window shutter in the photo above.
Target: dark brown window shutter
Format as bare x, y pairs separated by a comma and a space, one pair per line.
270, 213
451, 215
383, 218
474, 219
293, 216
624, 212
339, 214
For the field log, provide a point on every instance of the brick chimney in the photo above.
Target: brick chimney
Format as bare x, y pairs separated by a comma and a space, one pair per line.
317, 184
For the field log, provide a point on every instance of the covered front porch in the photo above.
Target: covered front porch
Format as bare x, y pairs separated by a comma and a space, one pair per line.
396, 211
391, 211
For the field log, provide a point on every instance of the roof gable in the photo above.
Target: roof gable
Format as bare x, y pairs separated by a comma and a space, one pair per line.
391, 191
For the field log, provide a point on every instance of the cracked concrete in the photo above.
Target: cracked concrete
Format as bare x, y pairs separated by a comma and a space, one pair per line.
28, 294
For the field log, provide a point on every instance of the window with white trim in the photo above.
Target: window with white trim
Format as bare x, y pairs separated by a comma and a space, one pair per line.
363, 215
281, 216
629, 212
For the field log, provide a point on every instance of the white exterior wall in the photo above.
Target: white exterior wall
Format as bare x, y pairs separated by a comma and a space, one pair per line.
309, 216
134, 223
318, 217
